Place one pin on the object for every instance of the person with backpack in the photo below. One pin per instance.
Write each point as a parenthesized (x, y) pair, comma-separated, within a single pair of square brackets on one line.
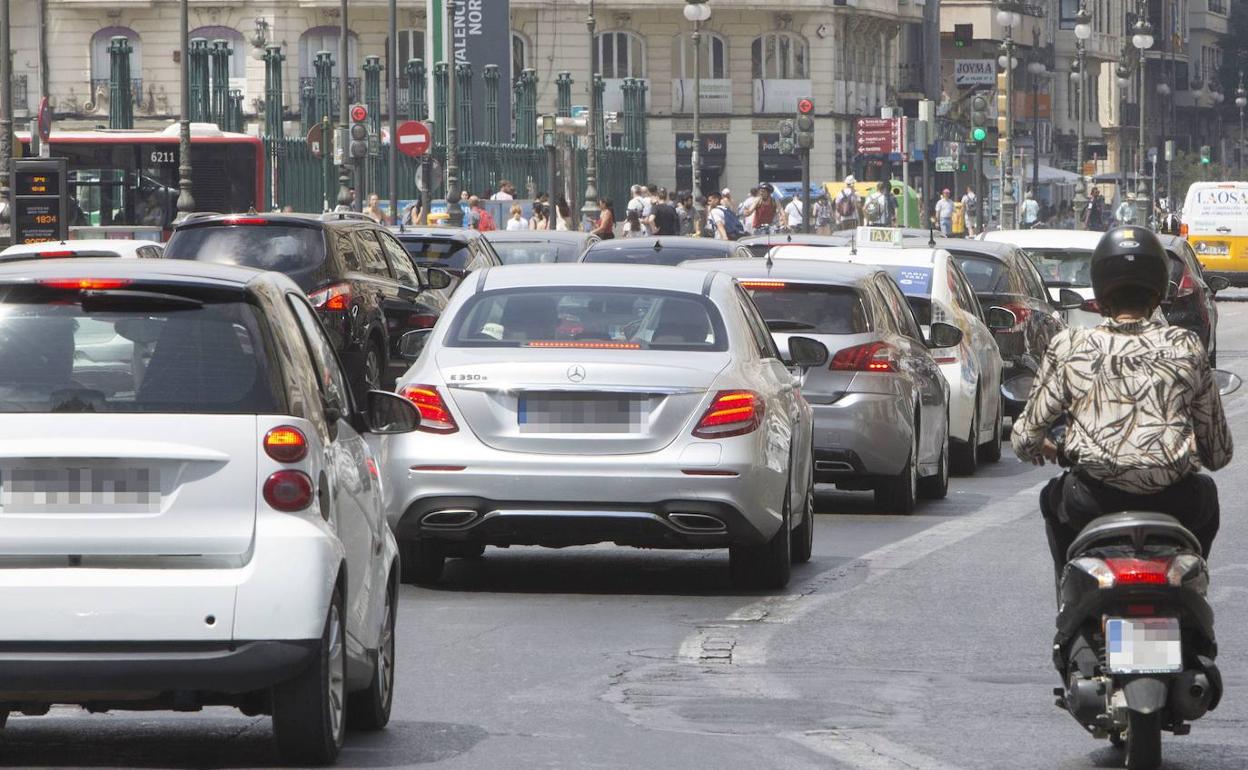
[(847, 205), (970, 210), (765, 210), (722, 222), (875, 210)]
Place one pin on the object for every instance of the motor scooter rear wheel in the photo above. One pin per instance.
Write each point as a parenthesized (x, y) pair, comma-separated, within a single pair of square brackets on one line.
[(1143, 741)]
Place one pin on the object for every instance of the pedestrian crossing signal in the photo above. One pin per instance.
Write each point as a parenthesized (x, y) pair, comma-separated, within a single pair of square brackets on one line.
[(1206, 154)]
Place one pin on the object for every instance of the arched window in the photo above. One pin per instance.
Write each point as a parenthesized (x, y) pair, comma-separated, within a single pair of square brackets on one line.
[(325, 39), (714, 57), (100, 64), (238, 47), (778, 56), (520, 59), (620, 55)]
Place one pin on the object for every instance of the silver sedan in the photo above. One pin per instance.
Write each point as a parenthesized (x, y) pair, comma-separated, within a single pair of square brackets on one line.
[(572, 404)]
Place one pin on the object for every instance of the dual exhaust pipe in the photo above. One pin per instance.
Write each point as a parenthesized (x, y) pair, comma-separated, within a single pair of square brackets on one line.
[(457, 518)]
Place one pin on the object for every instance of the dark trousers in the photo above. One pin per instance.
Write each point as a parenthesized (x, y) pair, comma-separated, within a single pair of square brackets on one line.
[(1071, 501)]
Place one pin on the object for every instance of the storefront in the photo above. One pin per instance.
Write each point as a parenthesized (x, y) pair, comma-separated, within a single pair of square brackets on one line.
[(714, 157), (774, 166)]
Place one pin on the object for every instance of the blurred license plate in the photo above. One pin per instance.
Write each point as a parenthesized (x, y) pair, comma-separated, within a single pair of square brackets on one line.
[(1143, 645), (79, 490), (576, 413)]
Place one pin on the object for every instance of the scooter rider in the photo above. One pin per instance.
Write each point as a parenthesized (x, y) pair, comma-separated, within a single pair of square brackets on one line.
[(1143, 411)]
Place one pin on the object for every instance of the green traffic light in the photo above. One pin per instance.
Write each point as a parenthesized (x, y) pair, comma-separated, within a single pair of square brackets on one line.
[(979, 134)]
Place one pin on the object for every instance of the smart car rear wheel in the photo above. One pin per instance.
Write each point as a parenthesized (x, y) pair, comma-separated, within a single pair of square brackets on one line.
[(369, 709), (422, 561), (765, 566), (309, 711)]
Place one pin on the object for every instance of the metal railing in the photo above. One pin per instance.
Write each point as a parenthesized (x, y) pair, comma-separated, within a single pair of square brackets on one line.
[(354, 91)]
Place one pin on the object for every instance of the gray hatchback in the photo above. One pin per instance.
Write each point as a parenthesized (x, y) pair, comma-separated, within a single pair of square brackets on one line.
[(881, 404)]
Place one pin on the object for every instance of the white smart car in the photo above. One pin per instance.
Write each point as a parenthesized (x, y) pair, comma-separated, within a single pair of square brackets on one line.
[(937, 290), (1064, 259), (203, 528)]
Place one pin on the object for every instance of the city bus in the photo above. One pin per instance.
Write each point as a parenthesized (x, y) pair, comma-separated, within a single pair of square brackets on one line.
[(127, 179)]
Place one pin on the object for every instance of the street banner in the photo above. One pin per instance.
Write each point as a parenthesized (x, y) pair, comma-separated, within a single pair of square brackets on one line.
[(479, 32)]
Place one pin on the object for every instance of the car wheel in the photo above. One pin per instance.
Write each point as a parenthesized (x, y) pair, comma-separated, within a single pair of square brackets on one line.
[(374, 366), (897, 494), (803, 538), (937, 487), (963, 454), (765, 566), (309, 711), (422, 562), (370, 709), (991, 451)]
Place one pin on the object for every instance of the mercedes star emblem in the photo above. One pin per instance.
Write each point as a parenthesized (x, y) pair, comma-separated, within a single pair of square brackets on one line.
[(576, 373)]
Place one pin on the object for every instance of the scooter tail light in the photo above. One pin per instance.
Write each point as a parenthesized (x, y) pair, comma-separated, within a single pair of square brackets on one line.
[(435, 416), (1131, 571), (1097, 568), (732, 413), (1188, 569)]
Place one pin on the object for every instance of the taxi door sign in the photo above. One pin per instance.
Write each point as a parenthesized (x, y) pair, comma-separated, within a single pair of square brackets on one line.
[(40, 200)]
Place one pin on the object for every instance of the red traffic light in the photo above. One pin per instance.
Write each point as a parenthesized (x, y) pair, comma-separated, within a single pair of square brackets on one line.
[(359, 113), (805, 106)]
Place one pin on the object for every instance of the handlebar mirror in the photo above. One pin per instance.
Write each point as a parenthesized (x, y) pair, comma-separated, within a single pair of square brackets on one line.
[(1227, 382)]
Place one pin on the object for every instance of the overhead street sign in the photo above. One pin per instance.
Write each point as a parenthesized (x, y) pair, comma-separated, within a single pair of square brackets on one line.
[(945, 164), (414, 139), (880, 136)]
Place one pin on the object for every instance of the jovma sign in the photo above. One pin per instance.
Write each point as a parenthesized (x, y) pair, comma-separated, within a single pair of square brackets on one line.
[(974, 72)]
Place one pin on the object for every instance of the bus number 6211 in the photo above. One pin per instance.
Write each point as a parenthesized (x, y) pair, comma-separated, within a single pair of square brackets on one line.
[(160, 157)]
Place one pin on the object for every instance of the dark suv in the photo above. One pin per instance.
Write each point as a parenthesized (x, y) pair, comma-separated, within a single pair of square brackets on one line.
[(362, 283), (457, 250)]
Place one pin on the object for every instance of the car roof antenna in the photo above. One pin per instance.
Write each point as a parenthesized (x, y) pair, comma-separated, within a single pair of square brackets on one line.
[(658, 245)]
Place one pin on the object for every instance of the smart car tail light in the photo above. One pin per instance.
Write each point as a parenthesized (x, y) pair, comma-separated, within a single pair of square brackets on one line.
[(869, 357), (732, 413), (286, 444), (435, 417), (336, 297), (85, 284), (288, 491)]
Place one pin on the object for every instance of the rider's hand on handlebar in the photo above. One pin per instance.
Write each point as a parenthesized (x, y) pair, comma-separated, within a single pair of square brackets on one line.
[(1048, 452)]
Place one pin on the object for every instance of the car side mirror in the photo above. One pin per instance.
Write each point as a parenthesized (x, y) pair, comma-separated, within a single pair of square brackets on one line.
[(1227, 382), (389, 413), (944, 335), (438, 278), (1218, 283), (412, 344), (806, 353), (1068, 300), (1001, 319)]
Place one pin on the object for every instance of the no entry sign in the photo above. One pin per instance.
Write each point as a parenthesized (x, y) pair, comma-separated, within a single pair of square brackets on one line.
[(413, 138)]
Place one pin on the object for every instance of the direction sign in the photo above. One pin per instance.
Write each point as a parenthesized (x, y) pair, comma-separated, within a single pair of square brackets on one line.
[(413, 137), (880, 136), (945, 164), (320, 143)]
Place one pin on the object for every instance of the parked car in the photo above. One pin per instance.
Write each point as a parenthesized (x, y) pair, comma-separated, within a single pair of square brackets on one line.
[(663, 250), (656, 397), (1002, 275), (229, 545), (360, 280), (881, 406), (457, 250), (527, 247), (938, 292), (92, 247)]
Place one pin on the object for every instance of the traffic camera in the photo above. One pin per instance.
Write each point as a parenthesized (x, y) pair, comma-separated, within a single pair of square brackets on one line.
[(805, 123), (359, 130)]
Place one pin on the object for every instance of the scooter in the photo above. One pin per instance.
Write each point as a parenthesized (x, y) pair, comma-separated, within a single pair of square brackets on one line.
[(1135, 642)]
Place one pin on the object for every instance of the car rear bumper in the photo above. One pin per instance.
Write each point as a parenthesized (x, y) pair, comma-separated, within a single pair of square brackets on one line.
[(861, 434), (39, 671)]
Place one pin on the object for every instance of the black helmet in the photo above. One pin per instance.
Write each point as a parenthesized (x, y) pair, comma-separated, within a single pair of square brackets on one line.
[(1129, 256)]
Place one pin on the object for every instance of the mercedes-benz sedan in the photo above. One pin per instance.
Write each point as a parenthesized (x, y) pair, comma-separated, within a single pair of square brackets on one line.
[(572, 404)]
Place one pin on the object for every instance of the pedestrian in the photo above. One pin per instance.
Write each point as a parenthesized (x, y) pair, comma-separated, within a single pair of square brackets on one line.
[(632, 227), (970, 210), (373, 209), (687, 214), (714, 227), (747, 207), (847, 205), (639, 202), (764, 211), (875, 210), (562, 214), (483, 220), (959, 220), (539, 221), (411, 213), (1125, 213), (516, 220), (942, 213), (1031, 210), (605, 228), (506, 191), (664, 218), (725, 199), (794, 215), (823, 214), (1094, 213)]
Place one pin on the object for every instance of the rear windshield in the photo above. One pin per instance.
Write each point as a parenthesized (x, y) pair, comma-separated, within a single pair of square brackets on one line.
[(808, 308), (1063, 267), (915, 281), (283, 248), (987, 276), (592, 318), (116, 355), (442, 252), (644, 253), (535, 252)]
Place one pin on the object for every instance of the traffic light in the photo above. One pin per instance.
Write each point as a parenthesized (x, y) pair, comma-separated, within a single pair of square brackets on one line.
[(1206, 154), (359, 131), (805, 123), (979, 118), (963, 35), (787, 130)]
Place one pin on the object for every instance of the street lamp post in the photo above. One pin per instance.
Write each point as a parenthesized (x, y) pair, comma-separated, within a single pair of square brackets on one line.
[(1008, 19), (454, 212), (1083, 31), (1163, 92), (1038, 71), (186, 201), (341, 142), (1142, 40), (697, 11), (589, 208), (1123, 71), (1241, 101)]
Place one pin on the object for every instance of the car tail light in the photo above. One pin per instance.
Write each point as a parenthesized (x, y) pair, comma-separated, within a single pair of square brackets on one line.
[(245, 221), (1128, 571), (1091, 306), (286, 444), (334, 297), (421, 320), (1187, 285), (763, 284), (434, 416), (732, 413), (1183, 229), (85, 284), (288, 491), (870, 357), (55, 254)]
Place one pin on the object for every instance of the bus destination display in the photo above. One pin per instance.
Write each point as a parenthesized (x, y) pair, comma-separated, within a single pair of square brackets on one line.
[(39, 200)]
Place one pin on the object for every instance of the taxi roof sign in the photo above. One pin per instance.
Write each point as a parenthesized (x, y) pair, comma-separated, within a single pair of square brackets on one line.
[(890, 237)]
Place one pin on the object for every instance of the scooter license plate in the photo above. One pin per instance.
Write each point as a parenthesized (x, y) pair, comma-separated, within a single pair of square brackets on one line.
[(1143, 645)]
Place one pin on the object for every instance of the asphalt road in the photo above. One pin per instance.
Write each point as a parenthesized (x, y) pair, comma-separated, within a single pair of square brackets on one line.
[(906, 642)]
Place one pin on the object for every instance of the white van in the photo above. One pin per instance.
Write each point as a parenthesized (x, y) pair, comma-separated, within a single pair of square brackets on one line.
[(1215, 223)]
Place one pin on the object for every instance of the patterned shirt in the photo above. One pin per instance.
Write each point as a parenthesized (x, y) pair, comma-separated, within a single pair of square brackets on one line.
[(1143, 409)]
